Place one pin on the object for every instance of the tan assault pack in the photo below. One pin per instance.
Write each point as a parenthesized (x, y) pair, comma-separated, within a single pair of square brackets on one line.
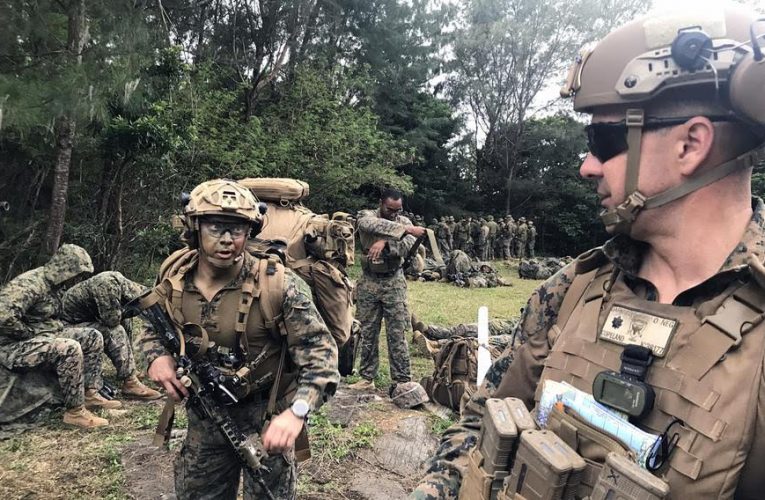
[(316, 247), (455, 372)]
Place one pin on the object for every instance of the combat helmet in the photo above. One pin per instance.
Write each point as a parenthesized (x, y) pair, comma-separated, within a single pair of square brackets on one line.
[(408, 395), (221, 197), (714, 52), (68, 262)]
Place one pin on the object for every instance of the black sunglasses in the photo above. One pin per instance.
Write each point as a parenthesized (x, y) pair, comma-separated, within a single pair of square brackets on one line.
[(605, 140)]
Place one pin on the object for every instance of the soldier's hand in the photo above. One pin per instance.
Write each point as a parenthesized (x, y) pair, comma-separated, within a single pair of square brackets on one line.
[(162, 371), (282, 431), (376, 249), (415, 231)]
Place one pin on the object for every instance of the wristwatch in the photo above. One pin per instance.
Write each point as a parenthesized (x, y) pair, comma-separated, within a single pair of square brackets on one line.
[(300, 408)]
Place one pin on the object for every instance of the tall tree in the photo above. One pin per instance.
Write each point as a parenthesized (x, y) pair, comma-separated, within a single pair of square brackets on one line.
[(506, 51), (77, 38)]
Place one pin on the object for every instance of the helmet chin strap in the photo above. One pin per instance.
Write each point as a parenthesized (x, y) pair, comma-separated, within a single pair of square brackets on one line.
[(621, 218)]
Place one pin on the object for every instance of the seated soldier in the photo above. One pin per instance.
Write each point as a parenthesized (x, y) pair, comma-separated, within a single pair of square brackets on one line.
[(97, 303), (33, 336)]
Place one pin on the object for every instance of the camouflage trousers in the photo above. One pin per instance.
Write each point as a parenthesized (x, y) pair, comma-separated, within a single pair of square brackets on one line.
[(496, 327), (530, 249), (208, 469), (380, 298), (520, 248), (507, 248), (73, 353), (117, 348)]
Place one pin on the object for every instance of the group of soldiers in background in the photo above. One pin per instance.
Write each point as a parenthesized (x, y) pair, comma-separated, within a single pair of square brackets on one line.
[(483, 238)]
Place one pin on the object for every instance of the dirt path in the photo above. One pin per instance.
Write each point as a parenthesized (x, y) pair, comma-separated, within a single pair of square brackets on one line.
[(364, 448)]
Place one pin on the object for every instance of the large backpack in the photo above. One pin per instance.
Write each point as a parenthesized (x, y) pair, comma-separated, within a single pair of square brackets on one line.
[(317, 248), (455, 372)]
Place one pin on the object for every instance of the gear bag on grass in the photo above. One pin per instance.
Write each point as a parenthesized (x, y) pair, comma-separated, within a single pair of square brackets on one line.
[(456, 371)]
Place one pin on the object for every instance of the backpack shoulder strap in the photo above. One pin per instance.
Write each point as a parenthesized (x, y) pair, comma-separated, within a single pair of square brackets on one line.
[(172, 271), (268, 287)]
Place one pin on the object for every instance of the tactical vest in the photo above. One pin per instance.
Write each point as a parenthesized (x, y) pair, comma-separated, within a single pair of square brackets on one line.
[(709, 377), (249, 317), (255, 328)]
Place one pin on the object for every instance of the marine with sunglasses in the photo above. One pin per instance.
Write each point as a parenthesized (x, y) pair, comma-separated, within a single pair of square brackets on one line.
[(263, 324), (672, 306)]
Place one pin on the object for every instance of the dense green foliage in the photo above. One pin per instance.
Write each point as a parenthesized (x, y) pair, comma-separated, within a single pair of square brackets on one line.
[(440, 99)]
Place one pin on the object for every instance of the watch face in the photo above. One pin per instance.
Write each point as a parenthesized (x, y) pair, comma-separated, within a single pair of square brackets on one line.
[(300, 408)]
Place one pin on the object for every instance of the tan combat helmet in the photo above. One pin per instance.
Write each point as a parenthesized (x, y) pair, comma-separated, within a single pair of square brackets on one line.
[(68, 262), (714, 50), (221, 197)]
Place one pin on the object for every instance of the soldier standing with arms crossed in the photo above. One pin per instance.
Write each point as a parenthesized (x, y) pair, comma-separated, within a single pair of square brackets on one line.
[(386, 238), (217, 275), (671, 153)]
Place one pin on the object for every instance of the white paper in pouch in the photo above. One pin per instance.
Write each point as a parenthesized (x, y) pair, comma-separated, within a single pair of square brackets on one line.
[(484, 356)]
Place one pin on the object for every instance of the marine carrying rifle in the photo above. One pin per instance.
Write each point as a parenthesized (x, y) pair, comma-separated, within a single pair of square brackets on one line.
[(207, 385)]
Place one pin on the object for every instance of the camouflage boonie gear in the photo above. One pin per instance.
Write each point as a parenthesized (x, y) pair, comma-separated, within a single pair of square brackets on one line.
[(408, 395)]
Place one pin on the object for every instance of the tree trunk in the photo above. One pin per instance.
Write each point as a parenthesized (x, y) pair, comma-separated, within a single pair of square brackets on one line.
[(77, 37), (65, 128)]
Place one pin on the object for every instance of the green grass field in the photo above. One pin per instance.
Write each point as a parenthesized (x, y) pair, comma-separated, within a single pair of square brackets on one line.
[(446, 304)]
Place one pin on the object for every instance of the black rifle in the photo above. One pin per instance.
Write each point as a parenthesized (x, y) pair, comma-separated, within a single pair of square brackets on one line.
[(413, 251), (209, 396)]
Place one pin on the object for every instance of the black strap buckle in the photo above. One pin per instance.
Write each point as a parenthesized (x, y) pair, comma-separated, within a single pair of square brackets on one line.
[(636, 360)]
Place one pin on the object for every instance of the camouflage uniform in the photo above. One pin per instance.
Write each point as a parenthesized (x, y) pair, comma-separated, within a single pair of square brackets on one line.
[(496, 327), (531, 241), (384, 296), (461, 235), (508, 242), (521, 237), (492, 239), (475, 236), (206, 466), (32, 336), (481, 242), (444, 237), (97, 303), (525, 359)]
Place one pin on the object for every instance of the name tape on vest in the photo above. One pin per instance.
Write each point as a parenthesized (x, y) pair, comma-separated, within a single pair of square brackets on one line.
[(625, 326)]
